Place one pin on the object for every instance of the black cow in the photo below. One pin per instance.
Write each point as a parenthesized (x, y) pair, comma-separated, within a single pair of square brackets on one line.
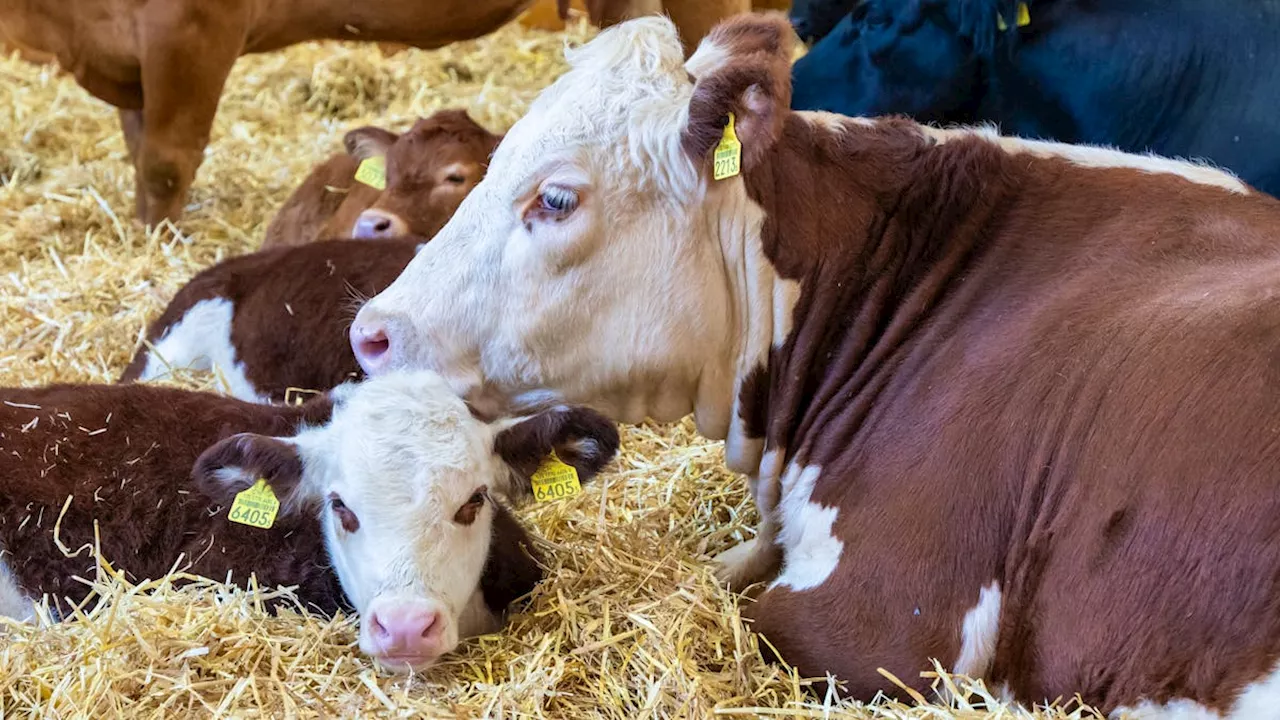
[(1179, 78)]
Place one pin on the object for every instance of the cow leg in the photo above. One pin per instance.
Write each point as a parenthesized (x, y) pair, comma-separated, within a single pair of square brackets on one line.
[(187, 53), (131, 127), (759, 559)]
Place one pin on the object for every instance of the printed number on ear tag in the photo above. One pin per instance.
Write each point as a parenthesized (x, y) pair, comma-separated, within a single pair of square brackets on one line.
[(728, 157), (555, 480), (256, 506), (373, 172)]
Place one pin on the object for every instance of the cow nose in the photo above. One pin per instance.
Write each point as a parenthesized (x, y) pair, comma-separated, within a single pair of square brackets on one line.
[(377, 225), (371, 344), (409, 633)]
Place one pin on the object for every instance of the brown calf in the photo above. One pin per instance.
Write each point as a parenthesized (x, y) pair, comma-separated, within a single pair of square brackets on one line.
[(1010, 405), (274, 319), (163, 62), (429, 170), (151, 472)]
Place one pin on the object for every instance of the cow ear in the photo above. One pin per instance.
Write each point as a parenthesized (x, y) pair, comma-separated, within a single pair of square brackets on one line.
[(579, 436), (368, 141), (742, 67), (236, 463)]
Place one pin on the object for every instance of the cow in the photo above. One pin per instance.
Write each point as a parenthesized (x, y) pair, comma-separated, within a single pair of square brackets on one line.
[(390, 499), (1005, 403), (428, 170), (272, 321), (815, 19), (163, 63), (1178, 79), (693, 18)]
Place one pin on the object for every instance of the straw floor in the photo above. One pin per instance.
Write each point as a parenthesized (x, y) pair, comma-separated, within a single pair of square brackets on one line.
[(630, 623)]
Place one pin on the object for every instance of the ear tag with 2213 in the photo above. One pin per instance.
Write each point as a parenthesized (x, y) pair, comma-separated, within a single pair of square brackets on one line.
[(256, 506), (555, 480), (728, 155), (373, 172)]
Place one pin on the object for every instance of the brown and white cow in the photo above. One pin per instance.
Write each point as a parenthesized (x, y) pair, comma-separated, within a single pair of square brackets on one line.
[(1012, 405), (389, 490), (272, 320), (163, 62), (429, 170)]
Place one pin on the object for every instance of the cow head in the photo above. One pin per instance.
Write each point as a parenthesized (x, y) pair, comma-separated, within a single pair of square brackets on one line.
[(813, 19), (921, 58), (430, 169), (406, 483), (599, 261)]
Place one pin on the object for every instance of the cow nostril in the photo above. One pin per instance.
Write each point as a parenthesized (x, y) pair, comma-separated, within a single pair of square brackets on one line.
[(377, 628), (430, 623)]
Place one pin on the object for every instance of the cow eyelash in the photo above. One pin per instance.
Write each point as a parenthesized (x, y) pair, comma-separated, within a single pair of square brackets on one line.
[(455, 178), (558, 200)]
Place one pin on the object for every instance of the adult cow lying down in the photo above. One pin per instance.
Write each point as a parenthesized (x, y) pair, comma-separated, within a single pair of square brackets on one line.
[(1179, 78), (428, 170), (391, 484), (1007, 404), (271, 320), (163, 62)]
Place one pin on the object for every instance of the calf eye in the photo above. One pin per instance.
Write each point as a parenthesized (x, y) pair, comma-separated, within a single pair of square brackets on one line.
[(348, 519), (471, 508), (455, 178)]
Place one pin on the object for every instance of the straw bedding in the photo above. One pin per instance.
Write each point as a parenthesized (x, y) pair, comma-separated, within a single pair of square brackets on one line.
[(630, 623)]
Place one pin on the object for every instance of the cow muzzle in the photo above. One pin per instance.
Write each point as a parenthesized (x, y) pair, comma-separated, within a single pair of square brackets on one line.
[(374, 224), (406, 634)]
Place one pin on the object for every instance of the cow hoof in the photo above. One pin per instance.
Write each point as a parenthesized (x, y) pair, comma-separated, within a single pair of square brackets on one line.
[(741, 566)]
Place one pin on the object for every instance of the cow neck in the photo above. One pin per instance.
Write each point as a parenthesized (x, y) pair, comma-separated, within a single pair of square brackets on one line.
[(868, 225), (760, 305)]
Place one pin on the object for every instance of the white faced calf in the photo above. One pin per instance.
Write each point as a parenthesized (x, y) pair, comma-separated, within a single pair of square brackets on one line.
[(393, 477)]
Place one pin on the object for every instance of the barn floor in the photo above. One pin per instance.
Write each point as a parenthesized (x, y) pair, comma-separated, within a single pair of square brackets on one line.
[(630, 623)]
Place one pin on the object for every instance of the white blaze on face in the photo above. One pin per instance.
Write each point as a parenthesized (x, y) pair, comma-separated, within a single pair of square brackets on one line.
[(591, 260)]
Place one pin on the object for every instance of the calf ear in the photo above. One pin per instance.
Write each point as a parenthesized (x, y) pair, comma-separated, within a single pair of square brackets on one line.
[(742, 67), (512, 569), (237, 462), (579, 436), (368, 141)]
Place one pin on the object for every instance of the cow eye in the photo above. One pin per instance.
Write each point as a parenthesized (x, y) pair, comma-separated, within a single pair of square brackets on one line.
[(560, 201), (346, 518), (455, 178), (471, 508)]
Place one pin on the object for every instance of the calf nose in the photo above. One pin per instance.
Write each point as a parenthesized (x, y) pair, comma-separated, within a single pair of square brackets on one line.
[(378, 225), (406, 633), (371, 344)]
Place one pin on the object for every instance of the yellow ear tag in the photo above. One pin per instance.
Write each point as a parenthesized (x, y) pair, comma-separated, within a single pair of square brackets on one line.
[(256, 506), (1024, 18), (728, 157), (373, 172), (555, 480)]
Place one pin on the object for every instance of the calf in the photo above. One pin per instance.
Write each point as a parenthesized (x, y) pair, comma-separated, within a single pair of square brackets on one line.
[(163, 62), (390, 484), (1009, 404), (1179, 78), (428, 169), (272, 320)]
